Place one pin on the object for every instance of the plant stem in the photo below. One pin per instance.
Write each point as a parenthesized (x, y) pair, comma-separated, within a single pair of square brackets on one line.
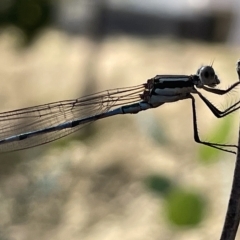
[(233, 212)]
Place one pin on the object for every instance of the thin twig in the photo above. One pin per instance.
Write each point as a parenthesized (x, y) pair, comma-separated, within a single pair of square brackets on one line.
[(233, 212)]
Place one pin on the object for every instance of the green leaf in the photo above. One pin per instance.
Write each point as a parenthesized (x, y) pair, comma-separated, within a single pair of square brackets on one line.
[(184, 208), (219, 134), (158, 184)]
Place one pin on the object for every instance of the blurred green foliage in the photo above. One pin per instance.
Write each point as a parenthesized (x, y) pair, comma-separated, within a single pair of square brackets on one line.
[(183, 208), (219, 134), (158, 184), (30, 16)]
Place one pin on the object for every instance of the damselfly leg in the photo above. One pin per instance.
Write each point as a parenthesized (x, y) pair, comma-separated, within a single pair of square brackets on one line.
[(196, 135), (218, 113)]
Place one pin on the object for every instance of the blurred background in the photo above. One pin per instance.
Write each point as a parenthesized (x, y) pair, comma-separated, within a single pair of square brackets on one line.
[(133, 177)]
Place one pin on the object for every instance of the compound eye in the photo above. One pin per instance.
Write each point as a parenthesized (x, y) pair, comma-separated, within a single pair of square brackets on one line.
[(207, 76), (208, 72)]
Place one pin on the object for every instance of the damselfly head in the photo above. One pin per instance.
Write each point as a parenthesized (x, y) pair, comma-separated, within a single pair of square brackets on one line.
[(207, 76)]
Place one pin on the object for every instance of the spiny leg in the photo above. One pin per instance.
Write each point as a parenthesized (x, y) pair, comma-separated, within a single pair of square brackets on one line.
[(221, 91), (216, 111), (196, 135)]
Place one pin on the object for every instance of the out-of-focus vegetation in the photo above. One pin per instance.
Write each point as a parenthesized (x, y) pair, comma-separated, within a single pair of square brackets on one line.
[(91, 186), (29, 16), (182, 208), (88, 187), (219, 134)]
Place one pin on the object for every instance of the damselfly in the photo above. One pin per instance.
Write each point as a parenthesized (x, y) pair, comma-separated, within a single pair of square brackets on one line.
[(33, 126)]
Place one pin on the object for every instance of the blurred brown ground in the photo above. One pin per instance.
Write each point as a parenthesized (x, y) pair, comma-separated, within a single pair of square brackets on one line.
[(94, 189)]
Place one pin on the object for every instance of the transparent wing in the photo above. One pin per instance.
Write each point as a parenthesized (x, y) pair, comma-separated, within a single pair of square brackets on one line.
[(40, 117)]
